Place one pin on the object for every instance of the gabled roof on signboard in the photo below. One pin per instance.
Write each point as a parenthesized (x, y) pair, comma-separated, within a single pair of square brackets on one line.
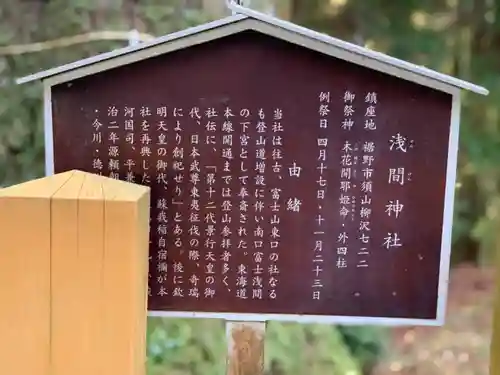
[(247, 19)]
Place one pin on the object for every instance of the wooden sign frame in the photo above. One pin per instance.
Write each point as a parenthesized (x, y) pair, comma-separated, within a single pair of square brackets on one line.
[(247, 19)]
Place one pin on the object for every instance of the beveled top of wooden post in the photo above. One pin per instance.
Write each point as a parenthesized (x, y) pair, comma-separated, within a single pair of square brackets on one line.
[(48, 187)]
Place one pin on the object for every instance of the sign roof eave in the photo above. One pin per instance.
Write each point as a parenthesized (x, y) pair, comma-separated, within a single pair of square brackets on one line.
[(243, 13)]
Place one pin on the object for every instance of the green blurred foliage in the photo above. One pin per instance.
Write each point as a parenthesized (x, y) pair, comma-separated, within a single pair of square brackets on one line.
[(457, 37), (198, 347)]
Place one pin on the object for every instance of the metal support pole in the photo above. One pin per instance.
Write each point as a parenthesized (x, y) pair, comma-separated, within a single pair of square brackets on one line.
[(237, 2), (265, 6)]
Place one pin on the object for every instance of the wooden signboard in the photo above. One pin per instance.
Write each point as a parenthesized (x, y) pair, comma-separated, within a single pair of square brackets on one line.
[(286, 184)]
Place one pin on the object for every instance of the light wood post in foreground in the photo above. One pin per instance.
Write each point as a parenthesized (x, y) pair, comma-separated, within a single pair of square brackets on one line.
[(245, 342), (73, 276)]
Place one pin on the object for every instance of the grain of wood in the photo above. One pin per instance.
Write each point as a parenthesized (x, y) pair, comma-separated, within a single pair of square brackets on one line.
[(65, 296), (245, 348), (126, 247), (25, 276), (74, 254), (90, 274)]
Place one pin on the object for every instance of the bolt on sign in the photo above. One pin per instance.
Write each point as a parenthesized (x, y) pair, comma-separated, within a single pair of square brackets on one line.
[(294, 176)]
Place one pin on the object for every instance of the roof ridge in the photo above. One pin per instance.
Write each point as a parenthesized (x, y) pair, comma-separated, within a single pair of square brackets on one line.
[(242, 13)]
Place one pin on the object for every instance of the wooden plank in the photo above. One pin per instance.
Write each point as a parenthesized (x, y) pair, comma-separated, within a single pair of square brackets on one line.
[(245, 348), (25, 291), (25, 214), (65, 314), (76, 270), (142, 284), (126, 243), (90, 276)]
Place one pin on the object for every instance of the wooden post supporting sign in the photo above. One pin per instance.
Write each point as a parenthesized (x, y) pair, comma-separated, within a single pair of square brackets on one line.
[(495, 338), (245, 354)]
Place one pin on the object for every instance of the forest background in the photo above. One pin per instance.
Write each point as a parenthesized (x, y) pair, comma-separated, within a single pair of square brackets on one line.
[(456, 37)]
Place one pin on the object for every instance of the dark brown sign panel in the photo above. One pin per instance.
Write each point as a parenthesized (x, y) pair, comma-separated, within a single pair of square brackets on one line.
[(283, 181)]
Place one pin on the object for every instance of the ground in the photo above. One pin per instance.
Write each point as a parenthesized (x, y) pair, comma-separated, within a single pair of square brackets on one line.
[(461, 347)]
